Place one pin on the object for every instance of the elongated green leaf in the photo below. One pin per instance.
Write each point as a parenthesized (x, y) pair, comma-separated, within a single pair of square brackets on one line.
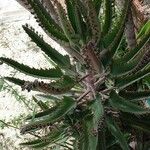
[(97, 110), (109, 37), (126, 106), (55, 88), (68, 71), (141, 123), (66, 106), (40, 145), (57, 136), (95, 26), (91, 124), (122, 22), (140, 62), (38, 5), (50, 28), (58, 87), (124, 81), (47, 15), (58, 58), (34, 142), (75, 17), (51, 137), (61, 86), (44, 113), (64, 82), (43, 73), (90, 140), (140, 95), (108, 16), (144, 30), (1, 84), (110, 51), (93, 142), (132, 53), (80, 24), (119, 68), (47, 12), (111, 141), (15, 80), (101, 140), (85, 23), (114, 129), (47, 23), (97, 5), (41, 104), (71, 13), (66, 25)]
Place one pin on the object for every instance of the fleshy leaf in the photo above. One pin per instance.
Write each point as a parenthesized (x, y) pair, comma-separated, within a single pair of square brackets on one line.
[(67, 105), (124, 105), (124, 81), (144, 30), (15, 80), (58, 58), (108, 53), (95, 26), (47, 22), (132, 53), (1, 84), (53, 136), (43, 113), (138, 122), (108, 16), (41, 104), (115, 130), (58, 87), (97, 110), (134, 96), (91, 124), (43, 73), (97, 5)]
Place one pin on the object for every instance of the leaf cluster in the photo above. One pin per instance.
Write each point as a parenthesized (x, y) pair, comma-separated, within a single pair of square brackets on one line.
[(93, 97)]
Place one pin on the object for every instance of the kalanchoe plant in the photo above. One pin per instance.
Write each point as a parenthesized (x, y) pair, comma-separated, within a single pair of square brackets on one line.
[(95, 102)]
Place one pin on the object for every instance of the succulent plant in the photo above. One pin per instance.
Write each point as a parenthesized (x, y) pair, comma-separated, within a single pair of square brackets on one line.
[(95, 104)]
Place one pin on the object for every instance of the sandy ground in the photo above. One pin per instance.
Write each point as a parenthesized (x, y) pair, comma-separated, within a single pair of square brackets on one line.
[(15, 44)]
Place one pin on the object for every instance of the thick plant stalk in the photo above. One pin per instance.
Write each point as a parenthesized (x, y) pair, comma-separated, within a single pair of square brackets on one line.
[(91, 58)]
